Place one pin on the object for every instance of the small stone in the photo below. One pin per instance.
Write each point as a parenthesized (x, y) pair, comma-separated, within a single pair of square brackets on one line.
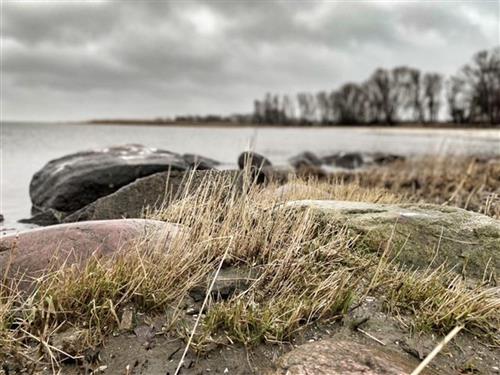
[(191, 311), (71, 341), (127, 322)]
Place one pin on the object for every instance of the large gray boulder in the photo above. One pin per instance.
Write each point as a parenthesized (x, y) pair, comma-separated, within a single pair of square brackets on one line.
[(73, 181), (419, 235), (31, 253), (150, 192)]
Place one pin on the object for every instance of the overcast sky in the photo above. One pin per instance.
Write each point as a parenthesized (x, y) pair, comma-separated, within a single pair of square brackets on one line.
[(77, 60)]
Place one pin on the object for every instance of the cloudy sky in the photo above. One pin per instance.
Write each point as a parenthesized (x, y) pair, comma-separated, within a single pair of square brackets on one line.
[(77, 60)]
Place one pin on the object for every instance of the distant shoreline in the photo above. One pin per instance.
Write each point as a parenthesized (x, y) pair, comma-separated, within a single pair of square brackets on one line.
[(222, 124)]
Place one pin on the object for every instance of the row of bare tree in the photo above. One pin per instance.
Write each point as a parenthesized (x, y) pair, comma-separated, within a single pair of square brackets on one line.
[(402, 94)]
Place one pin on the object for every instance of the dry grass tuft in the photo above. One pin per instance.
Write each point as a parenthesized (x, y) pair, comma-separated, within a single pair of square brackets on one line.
[(437, 300)]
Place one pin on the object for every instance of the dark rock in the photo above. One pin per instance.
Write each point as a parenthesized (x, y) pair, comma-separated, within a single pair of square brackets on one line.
[(330, 159), (349, 160), (305, 159), (45, 218), (39, 250), (73, 181), (1, 218), (345, 357), (257, 164), (200, 162), (149, 192), (254, 159), (381, 158)]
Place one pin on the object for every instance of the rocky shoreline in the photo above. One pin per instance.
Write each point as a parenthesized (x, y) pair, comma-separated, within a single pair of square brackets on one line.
[(67, 188), (95, 208)]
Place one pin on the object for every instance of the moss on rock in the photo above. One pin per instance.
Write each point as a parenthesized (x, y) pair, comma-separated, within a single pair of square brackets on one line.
[(418, 235)]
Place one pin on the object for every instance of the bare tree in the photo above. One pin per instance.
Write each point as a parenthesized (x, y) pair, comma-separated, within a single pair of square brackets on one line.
[(276, 114), (383, 96), (400, 94), (457, 105), (288, 110), (432, 87), (325, 108), (351, 104), (307, 108), (258, 112), (405, 94), (479, 83)]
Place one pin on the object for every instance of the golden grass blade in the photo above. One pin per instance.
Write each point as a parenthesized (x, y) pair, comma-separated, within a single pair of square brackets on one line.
[(205, 301), (436, 350)]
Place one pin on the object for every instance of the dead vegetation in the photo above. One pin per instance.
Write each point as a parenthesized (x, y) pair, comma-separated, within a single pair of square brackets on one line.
[(299, 271), (472, 183)]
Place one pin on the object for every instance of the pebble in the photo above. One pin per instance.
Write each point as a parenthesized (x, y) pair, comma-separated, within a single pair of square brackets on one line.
[(191, 311)]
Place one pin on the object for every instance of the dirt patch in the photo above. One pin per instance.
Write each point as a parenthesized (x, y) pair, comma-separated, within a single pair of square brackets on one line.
[(128, 353)]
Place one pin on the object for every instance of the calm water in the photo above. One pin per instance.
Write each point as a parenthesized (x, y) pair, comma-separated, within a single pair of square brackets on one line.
[(26, 147)]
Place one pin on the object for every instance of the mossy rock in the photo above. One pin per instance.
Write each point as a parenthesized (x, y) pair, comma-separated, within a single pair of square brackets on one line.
[(420, 235)]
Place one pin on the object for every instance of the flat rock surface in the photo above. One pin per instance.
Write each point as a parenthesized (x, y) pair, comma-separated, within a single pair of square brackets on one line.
[(335, 357), (423, 234), (73, 181), (38, 250)]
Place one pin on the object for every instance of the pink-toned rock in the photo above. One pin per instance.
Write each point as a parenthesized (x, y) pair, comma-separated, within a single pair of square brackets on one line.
[(32, 252), (341, 357)]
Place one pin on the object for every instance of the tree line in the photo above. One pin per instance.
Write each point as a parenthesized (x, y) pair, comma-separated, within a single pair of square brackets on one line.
[(399, 95)]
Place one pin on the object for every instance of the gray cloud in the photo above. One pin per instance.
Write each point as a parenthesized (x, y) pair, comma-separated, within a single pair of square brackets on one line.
[(79, 60)]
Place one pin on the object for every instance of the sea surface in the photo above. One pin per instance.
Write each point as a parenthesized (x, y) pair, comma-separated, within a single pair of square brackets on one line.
[(26, 147)]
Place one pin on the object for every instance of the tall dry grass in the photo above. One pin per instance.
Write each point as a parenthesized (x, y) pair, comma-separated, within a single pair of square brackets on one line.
[(471, 183)]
